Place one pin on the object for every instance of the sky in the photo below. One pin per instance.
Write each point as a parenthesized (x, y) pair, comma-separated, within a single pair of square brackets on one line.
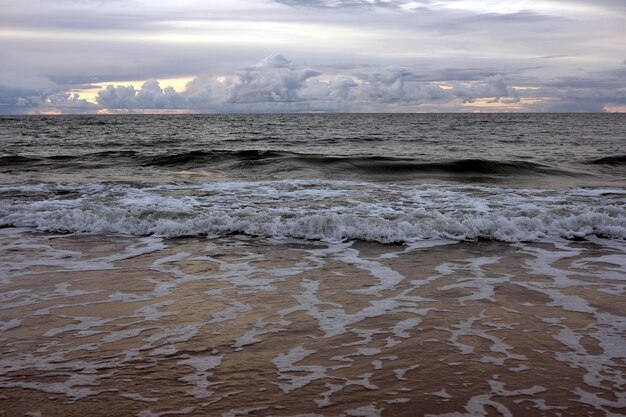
[(257, 56)]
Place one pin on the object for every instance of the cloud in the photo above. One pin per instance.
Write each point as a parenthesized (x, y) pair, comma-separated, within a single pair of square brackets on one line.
[(342, 87), (335, 4), (359, 47), (612, 5), (387, 87), (199, 92), (273, 79), (276, 84), (494, 87), (56, 102), (403, 86), (21, 93), (149, 96), (14, 87), (272, 84)]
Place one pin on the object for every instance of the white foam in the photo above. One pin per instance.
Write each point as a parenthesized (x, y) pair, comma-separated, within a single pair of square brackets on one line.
[(250, 337), (387, 277), (401, 372), (138, 397), (81, 328), (367, 411), (442, 394), (202, 365), (466, 328), (285, 363), (182, 411), (485, 285), (398, 401), (123, 334), (326, 210), (243, 411), (10, 324), (230, 313)]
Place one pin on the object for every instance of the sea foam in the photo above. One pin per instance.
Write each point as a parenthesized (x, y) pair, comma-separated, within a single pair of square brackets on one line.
[(319, 210)]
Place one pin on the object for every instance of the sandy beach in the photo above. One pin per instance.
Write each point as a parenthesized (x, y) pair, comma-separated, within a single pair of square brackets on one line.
[(235, 326)]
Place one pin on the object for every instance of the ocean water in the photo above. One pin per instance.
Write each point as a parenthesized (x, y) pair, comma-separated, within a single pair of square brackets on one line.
[(313, 265), (386, 178)]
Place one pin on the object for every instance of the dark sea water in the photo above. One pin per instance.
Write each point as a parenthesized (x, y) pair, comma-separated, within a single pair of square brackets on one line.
[(386, 178)]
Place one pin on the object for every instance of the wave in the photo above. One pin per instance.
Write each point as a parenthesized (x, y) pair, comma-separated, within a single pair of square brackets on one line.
[(610, 160), (362, 164), (212, 156), (330, 210), (10, 160), (111, 156), (272, 161)]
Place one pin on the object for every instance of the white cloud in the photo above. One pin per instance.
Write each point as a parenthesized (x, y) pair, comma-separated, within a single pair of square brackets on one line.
[(273, 79), (149, 96), (67, 101), (199, 92), (342, 87)]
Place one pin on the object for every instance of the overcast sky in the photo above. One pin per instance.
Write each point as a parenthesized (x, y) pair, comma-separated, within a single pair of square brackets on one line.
[(88, 56)]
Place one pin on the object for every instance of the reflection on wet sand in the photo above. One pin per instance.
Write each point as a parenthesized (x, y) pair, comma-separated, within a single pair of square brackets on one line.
[(103, 325)]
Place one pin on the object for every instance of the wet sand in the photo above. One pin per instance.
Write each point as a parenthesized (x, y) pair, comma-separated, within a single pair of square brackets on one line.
[(127, 326)]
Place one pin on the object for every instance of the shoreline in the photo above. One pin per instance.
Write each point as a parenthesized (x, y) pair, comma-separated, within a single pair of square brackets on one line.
[(103, 325)]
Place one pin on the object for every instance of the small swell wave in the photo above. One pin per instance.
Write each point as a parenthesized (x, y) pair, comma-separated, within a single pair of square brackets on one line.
[(207, 157), (610, 160), (273, 161), (11, 160), (461, 166), (50, 161), (373, 165)]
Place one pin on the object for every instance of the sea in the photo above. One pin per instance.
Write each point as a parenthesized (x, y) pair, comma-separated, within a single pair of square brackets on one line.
[(313, 265)]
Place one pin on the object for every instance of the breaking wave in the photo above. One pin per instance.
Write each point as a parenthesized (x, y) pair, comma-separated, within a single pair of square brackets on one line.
[(320, 210)]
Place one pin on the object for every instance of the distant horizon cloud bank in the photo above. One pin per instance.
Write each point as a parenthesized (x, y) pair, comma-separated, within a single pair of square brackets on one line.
[(259, 56), (276, 84)]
